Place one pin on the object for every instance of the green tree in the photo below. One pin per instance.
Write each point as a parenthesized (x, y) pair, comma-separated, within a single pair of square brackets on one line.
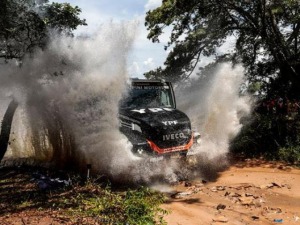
[(24, 26), (266, 31)]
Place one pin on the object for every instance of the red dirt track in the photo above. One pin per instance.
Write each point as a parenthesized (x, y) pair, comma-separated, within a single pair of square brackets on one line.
[(251, 192)]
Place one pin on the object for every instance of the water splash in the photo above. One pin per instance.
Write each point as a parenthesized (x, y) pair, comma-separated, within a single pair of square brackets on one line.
[(69, 96), (215, 106), (68, 111)]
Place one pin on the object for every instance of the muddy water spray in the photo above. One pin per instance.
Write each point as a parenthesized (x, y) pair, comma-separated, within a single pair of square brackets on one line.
[(215, 107), (68, 98)]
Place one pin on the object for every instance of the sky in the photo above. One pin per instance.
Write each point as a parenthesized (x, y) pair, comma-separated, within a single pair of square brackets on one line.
[(145, 55)]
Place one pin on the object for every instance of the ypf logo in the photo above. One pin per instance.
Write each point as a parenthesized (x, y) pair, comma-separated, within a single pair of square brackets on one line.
[(170, 123)]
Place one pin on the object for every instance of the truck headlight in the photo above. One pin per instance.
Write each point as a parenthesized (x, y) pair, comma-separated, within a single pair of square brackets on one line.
[(136, 127)]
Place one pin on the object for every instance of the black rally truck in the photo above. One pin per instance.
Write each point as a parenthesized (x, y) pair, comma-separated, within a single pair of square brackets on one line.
[(151, 122)]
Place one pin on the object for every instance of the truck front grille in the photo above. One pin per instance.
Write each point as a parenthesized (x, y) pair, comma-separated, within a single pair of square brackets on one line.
[(171, 137)]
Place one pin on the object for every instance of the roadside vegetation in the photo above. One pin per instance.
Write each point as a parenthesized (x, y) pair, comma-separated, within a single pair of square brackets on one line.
[(269, 136), (88, 202)]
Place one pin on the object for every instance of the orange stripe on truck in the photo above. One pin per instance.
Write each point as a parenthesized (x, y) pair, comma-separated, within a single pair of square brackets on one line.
[(171, 149)]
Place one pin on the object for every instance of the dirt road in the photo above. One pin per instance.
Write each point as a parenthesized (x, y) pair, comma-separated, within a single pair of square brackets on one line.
[(248, 192), (252, 192)]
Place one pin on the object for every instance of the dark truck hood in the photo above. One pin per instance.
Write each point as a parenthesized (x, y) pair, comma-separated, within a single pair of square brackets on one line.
[(155, 117), (167, 128)]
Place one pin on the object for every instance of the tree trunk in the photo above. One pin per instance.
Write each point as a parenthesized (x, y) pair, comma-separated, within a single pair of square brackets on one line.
[(292, 74), (6, 127)]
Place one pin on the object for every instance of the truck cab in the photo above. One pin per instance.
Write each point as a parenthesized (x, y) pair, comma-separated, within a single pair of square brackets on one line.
[(149, 119)]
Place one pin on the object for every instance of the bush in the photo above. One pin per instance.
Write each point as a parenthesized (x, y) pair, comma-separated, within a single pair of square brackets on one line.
[(271, 136), (256, 138), (290, 154)]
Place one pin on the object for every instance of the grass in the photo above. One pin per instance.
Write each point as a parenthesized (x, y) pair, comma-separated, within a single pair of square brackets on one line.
[(140, 206), (80, 203)]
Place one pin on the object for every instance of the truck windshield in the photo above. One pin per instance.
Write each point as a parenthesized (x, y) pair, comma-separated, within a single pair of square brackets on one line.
[(148, 97)]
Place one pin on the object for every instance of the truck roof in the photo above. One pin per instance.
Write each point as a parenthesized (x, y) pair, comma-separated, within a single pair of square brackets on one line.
[(137, 80)]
